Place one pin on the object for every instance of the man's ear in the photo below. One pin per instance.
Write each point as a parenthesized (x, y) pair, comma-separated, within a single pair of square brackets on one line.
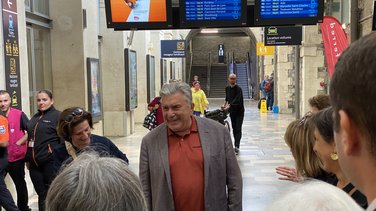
[(350, 134), (192, 106)]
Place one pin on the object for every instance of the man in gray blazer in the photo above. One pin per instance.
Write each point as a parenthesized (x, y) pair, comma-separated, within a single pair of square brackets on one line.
[(188, 163)]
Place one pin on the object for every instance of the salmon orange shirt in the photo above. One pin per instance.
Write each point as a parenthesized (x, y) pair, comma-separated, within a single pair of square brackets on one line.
[(4, 131)]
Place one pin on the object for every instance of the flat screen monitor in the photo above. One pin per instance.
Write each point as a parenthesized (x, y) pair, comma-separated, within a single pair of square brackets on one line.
[(288, 12), (374, 16), (138, 14), (213, 13)]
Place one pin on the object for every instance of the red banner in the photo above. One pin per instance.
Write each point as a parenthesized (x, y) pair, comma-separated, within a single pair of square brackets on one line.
[(335, 41)]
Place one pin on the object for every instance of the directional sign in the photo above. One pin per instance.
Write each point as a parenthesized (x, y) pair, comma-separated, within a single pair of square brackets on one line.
[(263, 50), (283, 35), (11, 51), (173, 48)]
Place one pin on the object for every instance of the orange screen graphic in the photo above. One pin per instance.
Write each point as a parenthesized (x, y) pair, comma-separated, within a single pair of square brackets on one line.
[(120, 11)]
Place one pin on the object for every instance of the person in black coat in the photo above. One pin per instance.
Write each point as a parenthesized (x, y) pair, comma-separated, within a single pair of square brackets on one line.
[(43, 139), (75, 125), (235, 104)]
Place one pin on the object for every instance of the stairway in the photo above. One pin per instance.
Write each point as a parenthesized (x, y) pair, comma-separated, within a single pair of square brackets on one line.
[(218, 81), (242, 79), (201, 72)]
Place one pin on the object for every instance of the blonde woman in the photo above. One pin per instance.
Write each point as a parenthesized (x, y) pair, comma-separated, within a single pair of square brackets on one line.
[(299, 137), (199, 99)]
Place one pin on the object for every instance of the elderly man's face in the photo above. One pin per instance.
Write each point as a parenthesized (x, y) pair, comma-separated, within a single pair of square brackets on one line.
[(176, 112)]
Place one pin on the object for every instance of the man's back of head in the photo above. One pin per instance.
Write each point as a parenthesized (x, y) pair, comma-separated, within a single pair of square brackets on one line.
[(353, 97)]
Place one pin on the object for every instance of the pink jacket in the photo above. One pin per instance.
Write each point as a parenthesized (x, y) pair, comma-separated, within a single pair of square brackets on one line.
[(15, 133)]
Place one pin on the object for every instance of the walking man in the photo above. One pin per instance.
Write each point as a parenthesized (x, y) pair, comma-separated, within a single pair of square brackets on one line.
[(17, 148), (188, 163), (235, 103)]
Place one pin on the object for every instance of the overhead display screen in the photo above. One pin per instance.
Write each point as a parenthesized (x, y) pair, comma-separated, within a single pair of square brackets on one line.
[(212, 10), (288, 8), (287, 12), (212, 13), (138, 14)]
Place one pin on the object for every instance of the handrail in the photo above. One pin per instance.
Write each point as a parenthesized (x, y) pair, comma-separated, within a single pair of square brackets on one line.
[(249, 76), (190, 68), (235, 71), (228, 63), (208, 75)]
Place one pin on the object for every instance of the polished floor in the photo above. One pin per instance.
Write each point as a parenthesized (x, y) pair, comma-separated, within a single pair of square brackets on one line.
[(262, 148)]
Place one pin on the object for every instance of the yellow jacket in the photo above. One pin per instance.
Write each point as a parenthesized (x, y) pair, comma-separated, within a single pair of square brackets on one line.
[(199, 100)]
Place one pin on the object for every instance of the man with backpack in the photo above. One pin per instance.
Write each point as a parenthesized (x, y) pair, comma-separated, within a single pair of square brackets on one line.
[(262, 86), (269, 89)]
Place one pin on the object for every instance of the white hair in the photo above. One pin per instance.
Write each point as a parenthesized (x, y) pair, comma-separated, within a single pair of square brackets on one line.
[(95, 183), (172, 88), (314, 195)]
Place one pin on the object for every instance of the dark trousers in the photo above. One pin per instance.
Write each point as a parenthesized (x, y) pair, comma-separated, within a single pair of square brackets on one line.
[(16, 171), (270, 100), (236, 123), (41, 176), (6, 199)]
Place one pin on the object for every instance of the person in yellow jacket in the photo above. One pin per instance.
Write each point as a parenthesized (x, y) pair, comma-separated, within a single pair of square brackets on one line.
[(199, 99)]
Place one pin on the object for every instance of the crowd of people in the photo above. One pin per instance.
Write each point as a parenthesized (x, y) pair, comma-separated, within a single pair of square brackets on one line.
[(189, 162), (336, 140), (46, 143)]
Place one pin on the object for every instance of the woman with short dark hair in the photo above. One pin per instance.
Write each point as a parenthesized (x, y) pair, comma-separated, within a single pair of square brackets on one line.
[(75, 125)]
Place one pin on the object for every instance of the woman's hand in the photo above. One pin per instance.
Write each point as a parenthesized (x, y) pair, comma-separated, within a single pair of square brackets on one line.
[(289, 174)]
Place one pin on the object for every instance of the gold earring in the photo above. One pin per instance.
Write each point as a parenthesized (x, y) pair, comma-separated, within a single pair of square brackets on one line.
[(334, 156)]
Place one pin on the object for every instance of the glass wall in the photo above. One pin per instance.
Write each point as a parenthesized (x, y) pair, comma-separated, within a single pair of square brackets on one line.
[(339, 9), (38, 48), (40, 7), (39, 54)]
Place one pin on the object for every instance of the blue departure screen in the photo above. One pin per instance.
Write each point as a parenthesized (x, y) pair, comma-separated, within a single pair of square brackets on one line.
[(288, 8), (203, 10)]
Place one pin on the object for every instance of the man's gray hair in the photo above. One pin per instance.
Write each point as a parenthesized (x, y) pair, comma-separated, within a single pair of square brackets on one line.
[(169, 89), (96, 183)]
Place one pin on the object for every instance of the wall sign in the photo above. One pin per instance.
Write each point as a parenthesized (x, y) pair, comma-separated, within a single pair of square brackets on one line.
[(11, 52), (172, 48), (281, 35)]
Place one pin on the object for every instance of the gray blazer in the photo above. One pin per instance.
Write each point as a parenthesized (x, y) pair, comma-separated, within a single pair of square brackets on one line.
[(223, 179)]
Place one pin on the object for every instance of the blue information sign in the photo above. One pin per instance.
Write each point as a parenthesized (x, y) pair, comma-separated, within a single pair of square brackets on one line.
[(203, 10), (172, 48), (288, 8)]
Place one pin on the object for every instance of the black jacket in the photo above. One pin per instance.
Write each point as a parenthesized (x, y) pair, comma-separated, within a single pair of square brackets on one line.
[(41, 130), (99, 144), (234, 96)]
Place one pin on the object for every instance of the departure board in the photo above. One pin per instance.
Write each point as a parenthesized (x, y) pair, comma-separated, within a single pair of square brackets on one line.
[(288, 8), (213, 10)]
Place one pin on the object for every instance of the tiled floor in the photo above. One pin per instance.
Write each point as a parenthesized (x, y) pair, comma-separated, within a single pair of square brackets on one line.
[(262, 149)]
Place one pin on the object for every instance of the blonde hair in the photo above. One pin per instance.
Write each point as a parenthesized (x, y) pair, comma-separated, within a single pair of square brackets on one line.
[(298, 137)]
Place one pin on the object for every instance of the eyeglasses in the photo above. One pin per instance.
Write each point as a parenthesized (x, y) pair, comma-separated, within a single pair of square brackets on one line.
[(75, 113), (304, 119)]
